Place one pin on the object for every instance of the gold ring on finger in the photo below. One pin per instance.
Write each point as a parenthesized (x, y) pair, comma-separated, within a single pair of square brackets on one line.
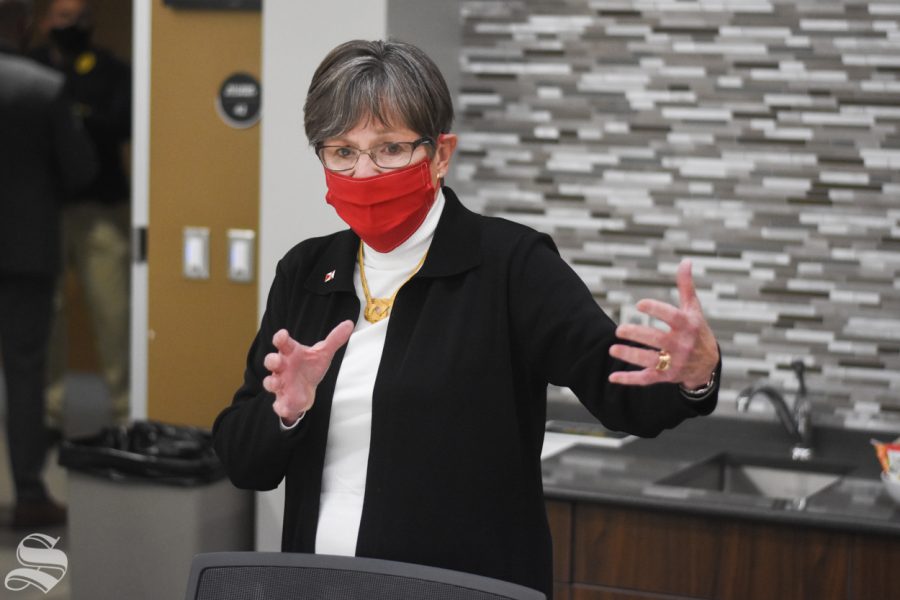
[(664, 361)]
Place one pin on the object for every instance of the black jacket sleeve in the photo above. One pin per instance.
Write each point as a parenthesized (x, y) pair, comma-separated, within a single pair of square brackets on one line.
[(247, 435), (567, 337)]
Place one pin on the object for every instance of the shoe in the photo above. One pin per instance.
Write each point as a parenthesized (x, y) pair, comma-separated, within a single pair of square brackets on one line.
[(41, 513)]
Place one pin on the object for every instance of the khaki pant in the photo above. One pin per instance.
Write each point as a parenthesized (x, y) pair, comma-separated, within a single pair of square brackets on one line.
[(96, 245)]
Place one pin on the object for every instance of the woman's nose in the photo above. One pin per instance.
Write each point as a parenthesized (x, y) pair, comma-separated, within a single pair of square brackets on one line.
[(365, 167)]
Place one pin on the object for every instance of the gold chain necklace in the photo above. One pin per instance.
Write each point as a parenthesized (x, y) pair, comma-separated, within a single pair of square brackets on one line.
[(380, 308)]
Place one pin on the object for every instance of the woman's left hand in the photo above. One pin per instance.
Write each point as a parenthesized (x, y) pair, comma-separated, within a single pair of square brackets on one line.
[(690, 342)]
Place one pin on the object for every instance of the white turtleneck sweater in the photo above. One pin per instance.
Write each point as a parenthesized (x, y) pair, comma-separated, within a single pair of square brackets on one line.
[(350, 426)]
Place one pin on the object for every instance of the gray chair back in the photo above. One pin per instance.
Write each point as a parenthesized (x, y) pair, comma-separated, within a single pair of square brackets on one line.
[(293, 576)]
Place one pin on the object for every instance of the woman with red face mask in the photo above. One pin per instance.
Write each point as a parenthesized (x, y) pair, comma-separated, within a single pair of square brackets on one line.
[(398, 379)]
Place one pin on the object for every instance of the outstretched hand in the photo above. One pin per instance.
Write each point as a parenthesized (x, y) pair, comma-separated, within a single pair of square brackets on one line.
[(690, 341), (298, 369)]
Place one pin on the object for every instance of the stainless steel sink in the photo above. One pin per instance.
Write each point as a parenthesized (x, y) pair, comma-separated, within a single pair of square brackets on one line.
[(770, 478)]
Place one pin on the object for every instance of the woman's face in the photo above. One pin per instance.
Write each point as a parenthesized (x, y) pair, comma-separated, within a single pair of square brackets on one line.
[(369, 133)]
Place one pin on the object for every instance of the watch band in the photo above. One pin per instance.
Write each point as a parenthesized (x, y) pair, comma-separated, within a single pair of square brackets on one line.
[(702, 391)]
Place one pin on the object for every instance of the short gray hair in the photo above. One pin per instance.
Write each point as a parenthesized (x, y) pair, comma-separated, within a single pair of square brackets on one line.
[(393, 82)]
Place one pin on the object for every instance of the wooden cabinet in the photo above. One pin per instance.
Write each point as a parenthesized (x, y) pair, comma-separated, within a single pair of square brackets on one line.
[(874, 571), (559, 515), (614, 553), (780, 561), (644, 551), (591, 593)]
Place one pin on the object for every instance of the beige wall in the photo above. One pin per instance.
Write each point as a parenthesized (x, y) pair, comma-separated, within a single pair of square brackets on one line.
[(202, 173)]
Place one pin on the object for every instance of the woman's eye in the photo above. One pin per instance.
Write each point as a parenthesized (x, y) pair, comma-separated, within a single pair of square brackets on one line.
[(392, 149), (343, 152)]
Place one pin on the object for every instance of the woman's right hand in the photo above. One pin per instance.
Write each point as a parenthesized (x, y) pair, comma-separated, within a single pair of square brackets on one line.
[(297, 370)]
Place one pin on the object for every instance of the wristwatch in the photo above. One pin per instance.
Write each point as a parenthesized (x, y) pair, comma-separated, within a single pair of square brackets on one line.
[(700, 392)]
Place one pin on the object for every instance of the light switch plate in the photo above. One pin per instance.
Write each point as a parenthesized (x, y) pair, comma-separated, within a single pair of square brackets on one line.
[(241, 254), (196, 252)]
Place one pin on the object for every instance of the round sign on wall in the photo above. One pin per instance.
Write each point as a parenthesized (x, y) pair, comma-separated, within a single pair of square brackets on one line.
[(239, 100)]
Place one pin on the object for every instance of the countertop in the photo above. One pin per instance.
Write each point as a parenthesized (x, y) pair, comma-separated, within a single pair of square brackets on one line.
[(583, 467)]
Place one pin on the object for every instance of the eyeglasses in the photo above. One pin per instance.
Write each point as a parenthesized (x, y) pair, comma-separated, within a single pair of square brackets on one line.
[(389, 155)]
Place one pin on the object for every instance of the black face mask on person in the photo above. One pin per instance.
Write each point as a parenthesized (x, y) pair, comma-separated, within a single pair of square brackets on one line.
[(71, 40)]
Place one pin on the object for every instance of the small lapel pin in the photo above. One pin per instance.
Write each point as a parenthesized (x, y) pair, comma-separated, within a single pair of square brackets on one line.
[(329, 276)]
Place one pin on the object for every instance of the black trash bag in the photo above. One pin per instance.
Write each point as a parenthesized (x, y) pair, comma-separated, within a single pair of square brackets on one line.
[(146, 451)]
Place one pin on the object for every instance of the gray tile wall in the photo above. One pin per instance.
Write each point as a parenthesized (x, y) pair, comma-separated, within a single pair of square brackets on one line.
[(757, 137)]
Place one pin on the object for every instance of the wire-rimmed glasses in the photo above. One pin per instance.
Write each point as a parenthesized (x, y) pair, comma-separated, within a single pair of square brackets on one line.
[(388, 155)]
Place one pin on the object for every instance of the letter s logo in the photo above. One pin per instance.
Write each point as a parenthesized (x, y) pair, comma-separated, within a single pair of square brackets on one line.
[(43, 566)]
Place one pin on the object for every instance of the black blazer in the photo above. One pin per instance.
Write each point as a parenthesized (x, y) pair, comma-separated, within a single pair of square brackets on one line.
[(44, 154), (459, 404)]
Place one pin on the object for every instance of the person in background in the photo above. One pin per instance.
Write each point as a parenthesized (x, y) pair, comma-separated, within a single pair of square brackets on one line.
[(96, 221), (44, 154), (398, 381)]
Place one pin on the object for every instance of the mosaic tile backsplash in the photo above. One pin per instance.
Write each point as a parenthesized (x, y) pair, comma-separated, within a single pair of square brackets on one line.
[(757, 137)]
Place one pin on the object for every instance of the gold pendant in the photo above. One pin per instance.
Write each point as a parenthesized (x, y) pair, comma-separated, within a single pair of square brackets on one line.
[(377, 309)]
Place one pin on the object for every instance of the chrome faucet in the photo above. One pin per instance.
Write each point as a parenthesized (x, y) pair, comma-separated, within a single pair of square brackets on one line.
[(797, 422)]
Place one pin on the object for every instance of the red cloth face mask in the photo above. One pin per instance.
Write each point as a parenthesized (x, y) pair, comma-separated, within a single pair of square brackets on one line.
[(386, 209)]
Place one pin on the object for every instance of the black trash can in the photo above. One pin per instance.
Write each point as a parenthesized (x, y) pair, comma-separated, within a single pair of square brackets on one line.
[(143, 500)]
